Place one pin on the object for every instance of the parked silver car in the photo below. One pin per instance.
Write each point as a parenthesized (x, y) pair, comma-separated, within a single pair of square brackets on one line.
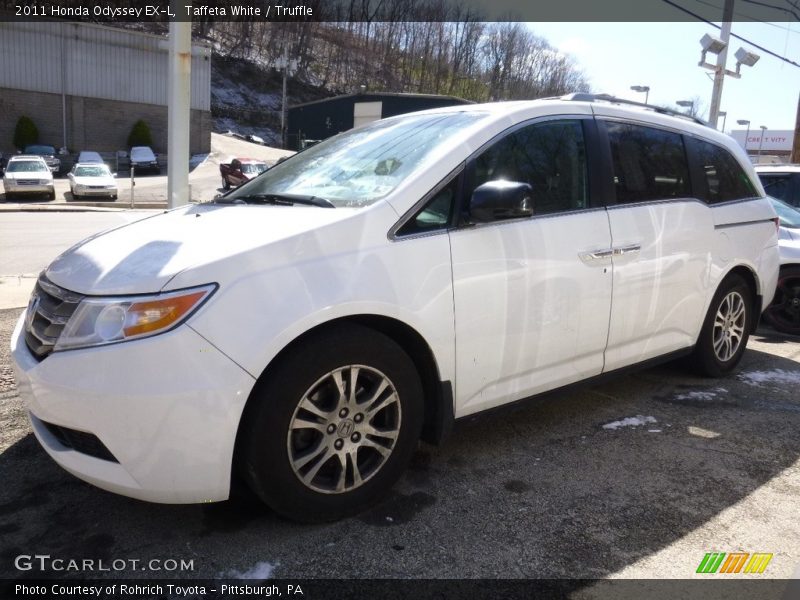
[(784, 312)]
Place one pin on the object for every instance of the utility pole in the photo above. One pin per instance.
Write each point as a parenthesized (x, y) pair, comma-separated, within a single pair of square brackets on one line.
[(178, 111), (283, 105), (796, 144), (722, 57), (289, 67)]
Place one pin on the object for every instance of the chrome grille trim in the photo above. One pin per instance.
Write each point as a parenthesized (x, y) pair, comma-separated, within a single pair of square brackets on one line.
[(59, 292), (53, 308)]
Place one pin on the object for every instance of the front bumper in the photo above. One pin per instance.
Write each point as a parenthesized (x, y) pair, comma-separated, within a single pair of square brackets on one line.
[(166, 407), (100, 192), (145, 166), (38, 188)]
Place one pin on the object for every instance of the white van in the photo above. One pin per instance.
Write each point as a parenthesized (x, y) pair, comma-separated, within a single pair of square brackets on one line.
[(305, 330)]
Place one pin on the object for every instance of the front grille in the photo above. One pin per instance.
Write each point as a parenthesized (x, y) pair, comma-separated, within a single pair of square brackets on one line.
[(27, 182), (80, 441), (48, 312)]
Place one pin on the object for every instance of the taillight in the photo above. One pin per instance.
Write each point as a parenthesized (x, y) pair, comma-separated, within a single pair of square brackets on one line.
[(777, 222)]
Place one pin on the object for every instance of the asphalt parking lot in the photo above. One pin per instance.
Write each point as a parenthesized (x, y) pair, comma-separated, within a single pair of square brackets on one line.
[(568, 486)]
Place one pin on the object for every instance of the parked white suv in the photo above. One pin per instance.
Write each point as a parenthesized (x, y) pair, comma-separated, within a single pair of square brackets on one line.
[(306, 329), (28, 174)]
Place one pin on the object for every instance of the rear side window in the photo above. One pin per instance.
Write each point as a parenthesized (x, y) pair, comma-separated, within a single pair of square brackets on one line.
[(721, 177), (649, 163), (549, 156)]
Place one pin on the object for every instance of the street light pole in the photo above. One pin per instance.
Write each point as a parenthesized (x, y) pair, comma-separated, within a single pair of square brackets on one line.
[(642, 88), (747, 133), (724, 116), (722, 57), (686, 104), (761, 141)]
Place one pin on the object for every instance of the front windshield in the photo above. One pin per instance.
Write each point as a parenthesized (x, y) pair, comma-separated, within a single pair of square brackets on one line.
[(789, 216), (360, 166), (25, 166), (99, 171), (40, 150)]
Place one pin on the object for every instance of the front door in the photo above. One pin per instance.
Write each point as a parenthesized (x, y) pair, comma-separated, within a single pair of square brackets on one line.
[(533, 295)]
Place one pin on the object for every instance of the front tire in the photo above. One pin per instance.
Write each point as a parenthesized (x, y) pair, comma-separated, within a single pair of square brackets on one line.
[(333, 425), (784, 312), (726, 329)]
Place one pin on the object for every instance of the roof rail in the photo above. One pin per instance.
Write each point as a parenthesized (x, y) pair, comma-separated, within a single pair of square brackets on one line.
[(585, 97)]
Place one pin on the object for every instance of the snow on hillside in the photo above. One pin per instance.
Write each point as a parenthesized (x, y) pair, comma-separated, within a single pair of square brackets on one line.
[(239, 108)]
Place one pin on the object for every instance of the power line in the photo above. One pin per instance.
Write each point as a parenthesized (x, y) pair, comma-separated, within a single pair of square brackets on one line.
[(773, 7), (738, 37), (749, 17)]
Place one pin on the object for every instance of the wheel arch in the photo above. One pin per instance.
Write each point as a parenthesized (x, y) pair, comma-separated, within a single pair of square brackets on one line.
[(753, 283), (438, 395)]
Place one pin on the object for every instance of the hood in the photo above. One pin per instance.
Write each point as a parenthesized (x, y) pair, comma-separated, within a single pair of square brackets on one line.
[(143, 256), (45, 174), (94, 180)]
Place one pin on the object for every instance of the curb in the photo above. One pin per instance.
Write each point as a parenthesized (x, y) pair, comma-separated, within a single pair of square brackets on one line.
[(77, 208)]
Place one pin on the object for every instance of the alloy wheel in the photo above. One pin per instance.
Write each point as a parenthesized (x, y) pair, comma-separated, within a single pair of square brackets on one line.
[(344, 429)]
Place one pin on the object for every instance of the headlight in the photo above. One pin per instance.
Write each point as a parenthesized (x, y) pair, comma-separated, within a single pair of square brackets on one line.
[(79, 187), (45, 181), (100, 321)]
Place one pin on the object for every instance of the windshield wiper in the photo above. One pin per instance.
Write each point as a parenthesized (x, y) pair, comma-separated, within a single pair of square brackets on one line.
[(279, 199)]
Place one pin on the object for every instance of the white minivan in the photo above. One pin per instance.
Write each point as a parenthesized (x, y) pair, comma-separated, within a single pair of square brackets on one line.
[(305, 330)]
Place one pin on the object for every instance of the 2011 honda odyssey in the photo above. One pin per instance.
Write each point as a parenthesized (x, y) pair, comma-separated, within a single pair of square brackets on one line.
[(307, 329)]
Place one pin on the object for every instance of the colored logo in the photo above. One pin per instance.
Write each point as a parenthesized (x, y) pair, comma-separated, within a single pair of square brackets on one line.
[(734, 562)]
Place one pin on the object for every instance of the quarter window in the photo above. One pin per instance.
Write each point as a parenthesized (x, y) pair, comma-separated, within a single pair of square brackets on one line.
[(649, 163), (721, 176), (549, 156), (435, 215)]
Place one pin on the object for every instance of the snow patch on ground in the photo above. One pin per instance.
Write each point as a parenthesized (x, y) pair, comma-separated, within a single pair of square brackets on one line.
[(630, 422), (774, 376), (225, 125), (260, 571), (702, 395)]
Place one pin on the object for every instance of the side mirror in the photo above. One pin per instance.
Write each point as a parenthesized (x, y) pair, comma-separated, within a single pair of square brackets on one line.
[(113, 174), (498, 200)]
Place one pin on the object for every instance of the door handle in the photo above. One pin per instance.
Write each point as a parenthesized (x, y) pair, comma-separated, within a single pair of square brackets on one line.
[(627, 250), (594, 255)]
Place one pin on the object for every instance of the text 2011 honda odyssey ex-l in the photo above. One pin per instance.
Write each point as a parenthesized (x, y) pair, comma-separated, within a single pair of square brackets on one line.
[(305, 330)]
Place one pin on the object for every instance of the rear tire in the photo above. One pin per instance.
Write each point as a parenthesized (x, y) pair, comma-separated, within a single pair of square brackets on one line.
[(784, 312), (726, 329), (333, 425)]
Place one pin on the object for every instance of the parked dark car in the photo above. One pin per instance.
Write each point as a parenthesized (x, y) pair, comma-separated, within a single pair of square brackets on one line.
[(48, 153), (144, 159)]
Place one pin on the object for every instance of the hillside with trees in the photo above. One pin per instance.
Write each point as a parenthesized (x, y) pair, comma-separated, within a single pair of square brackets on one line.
[(453, 53)]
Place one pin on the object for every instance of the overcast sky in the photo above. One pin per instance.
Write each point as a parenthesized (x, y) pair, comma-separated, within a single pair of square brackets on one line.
[(664, 56)]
